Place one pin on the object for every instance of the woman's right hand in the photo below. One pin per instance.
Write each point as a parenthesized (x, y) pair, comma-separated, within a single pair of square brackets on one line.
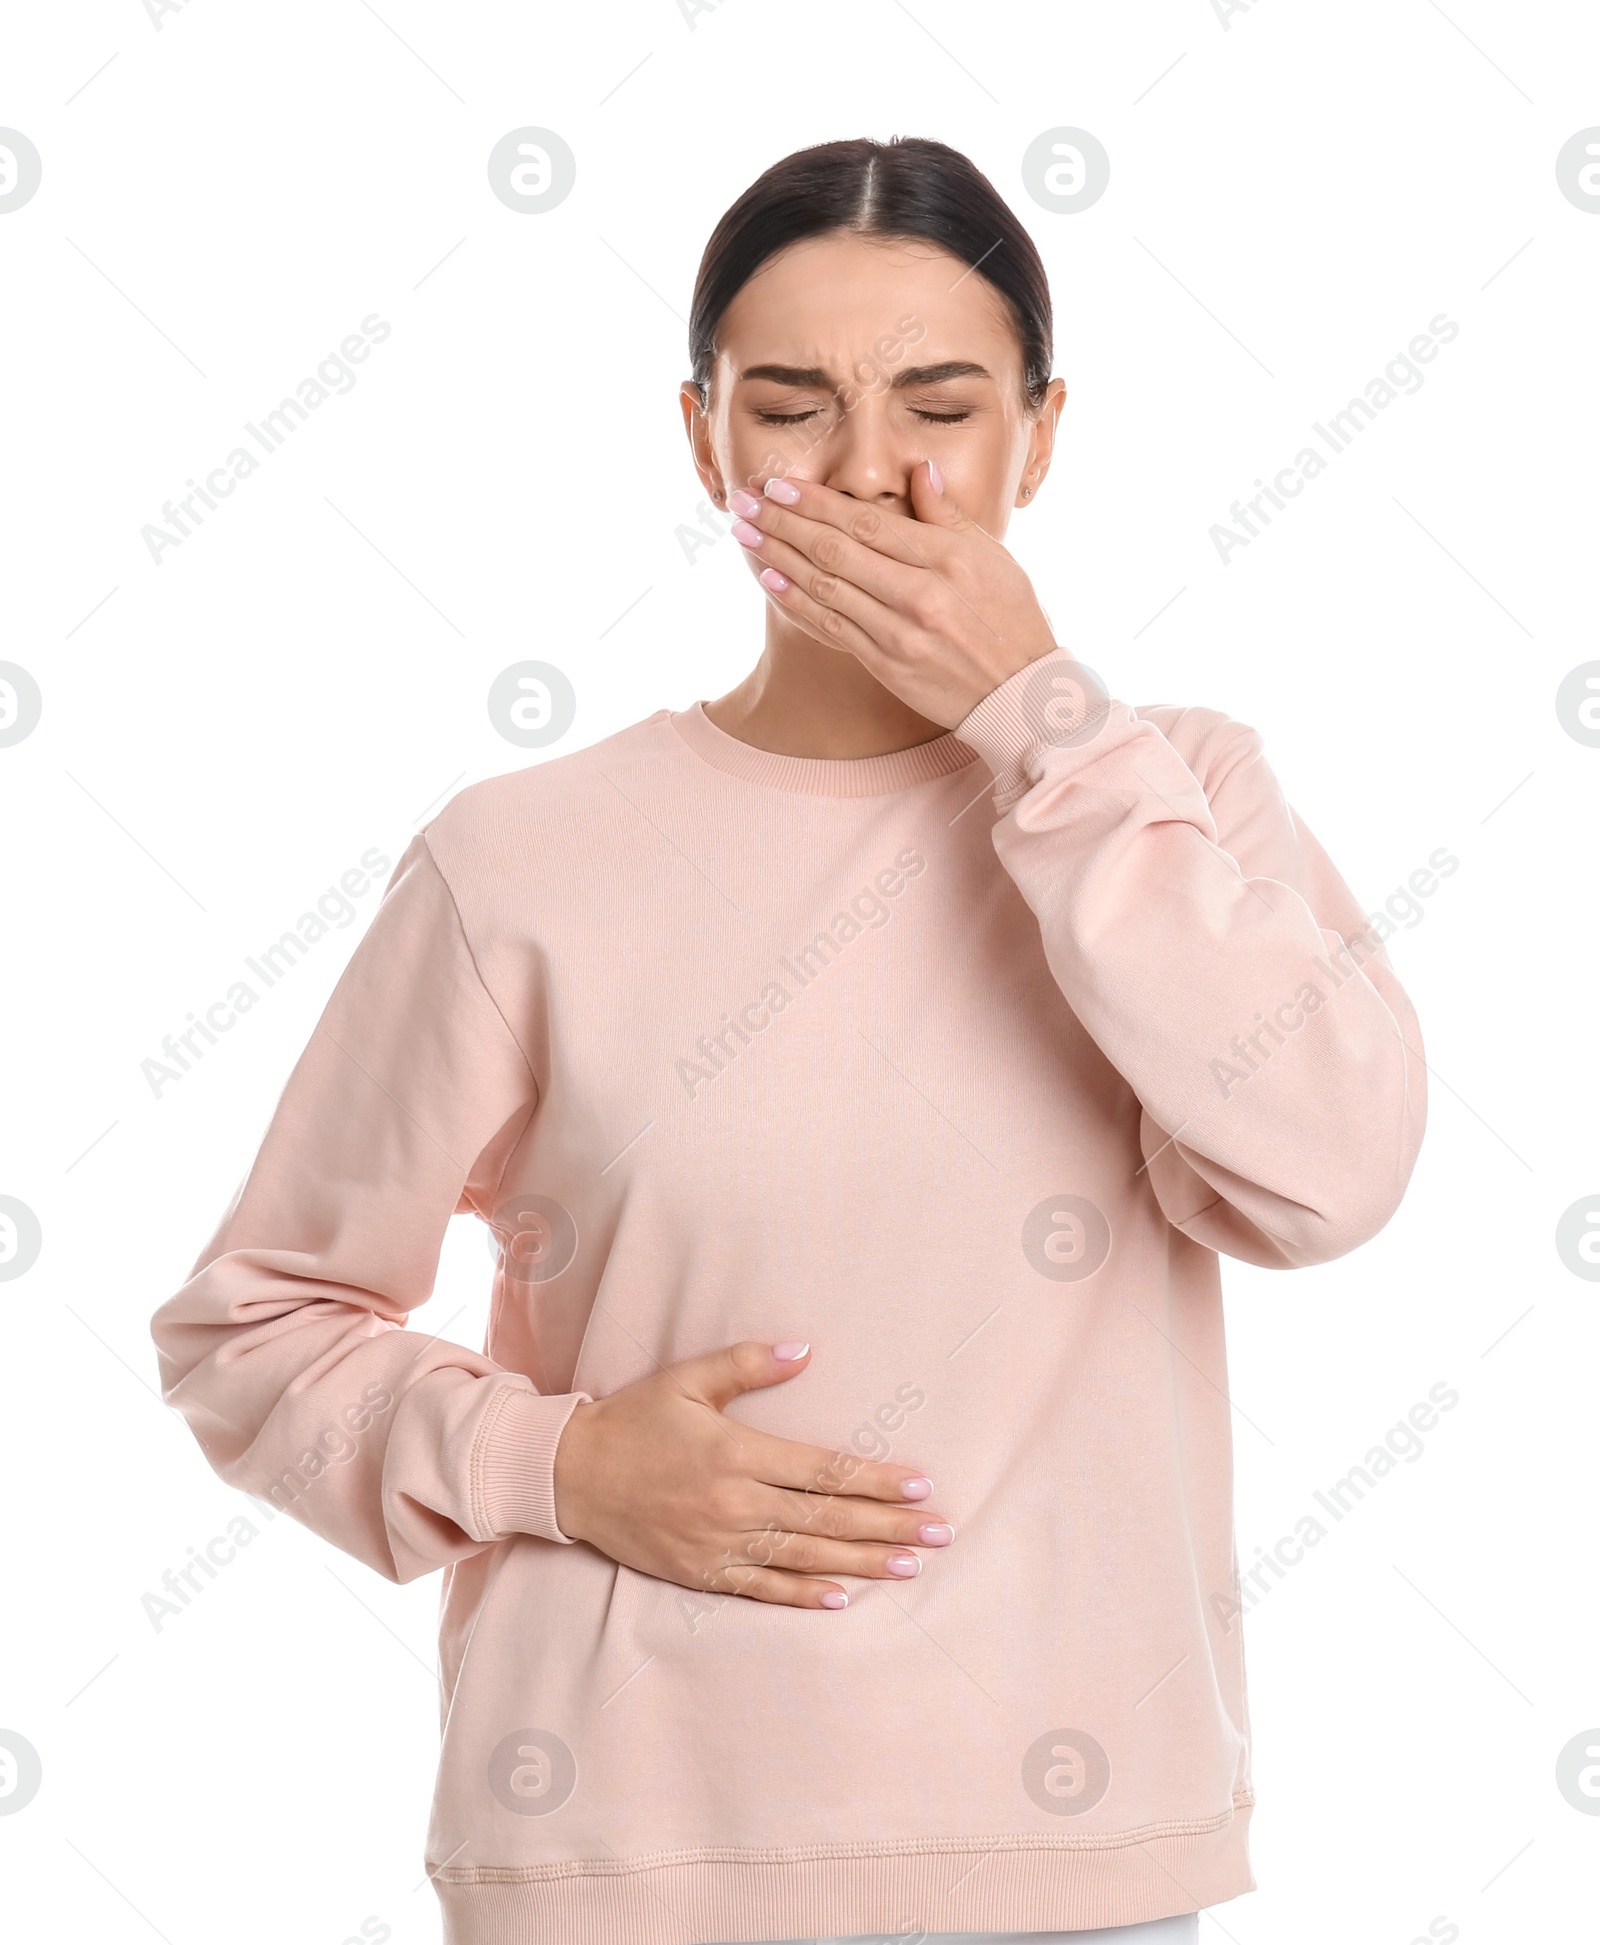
[(656, 1477)]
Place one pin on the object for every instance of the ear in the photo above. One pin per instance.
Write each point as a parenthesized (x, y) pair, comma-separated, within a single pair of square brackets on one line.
[(1042, 443), (698, 426)]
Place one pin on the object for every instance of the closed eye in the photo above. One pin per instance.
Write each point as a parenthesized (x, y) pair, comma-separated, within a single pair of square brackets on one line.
[(800, 418)]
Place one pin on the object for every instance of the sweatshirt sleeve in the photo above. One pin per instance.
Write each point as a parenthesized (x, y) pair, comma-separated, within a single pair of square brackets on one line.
[(286, 1350), (1208, 945)]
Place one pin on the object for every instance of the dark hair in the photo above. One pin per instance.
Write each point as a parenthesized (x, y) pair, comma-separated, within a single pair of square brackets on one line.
[(908, 187)]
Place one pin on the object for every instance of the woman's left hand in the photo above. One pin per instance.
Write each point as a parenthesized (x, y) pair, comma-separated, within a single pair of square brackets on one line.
[(934, 607)]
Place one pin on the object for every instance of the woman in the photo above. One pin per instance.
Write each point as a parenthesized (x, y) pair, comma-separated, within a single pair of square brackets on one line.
[(862, 1073)]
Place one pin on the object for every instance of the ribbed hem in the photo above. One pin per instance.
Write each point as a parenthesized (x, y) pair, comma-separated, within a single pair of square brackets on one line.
[(515, 1483), (1052, 702), (857, 776), (1031, 1882)]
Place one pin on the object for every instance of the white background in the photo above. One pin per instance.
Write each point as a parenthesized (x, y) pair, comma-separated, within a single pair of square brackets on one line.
[(1294, 194)]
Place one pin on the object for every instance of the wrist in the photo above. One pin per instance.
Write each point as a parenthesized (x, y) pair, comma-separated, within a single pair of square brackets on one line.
[(1008, 661), (569, 1472)]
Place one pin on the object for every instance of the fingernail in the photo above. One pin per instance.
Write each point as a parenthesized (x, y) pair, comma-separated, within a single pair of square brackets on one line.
[(785, 492), (745, 534), (935, 1535), (915, 1488), (835, 1597), (790, 1348), (935, 477), (771, 578), (904, 1564), (744, 503)]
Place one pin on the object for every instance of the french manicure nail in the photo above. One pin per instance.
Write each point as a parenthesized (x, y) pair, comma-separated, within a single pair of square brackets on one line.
[(915, 1488), (835, 1597), (934, 1534), (745, 534), (744, 503), (785, 492), (904, 1564), (771, 578), (789, 1349), (935, 477)]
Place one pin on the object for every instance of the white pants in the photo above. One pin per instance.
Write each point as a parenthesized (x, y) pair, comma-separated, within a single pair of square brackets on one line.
[(1184, 1930)]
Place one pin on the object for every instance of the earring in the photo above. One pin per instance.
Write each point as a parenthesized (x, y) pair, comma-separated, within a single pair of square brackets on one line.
[(717, 496), (1027, 492)]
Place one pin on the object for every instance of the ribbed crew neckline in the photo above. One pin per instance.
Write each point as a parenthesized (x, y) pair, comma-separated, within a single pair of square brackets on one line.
[(854, 776)]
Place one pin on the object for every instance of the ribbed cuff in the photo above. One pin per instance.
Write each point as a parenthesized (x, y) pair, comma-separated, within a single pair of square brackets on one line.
[(515, 1485), (1052, 702)]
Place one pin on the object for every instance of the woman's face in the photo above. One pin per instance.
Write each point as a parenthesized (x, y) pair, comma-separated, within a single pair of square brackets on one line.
[(850, 359)]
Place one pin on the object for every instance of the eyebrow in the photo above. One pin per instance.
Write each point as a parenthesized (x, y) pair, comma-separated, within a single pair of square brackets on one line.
[(814, 378)]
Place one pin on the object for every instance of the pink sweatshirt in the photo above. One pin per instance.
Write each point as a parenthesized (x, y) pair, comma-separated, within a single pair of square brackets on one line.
[(966, 1087)]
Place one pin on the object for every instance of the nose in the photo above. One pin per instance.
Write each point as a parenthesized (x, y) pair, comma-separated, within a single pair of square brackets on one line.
[(864, 456)]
